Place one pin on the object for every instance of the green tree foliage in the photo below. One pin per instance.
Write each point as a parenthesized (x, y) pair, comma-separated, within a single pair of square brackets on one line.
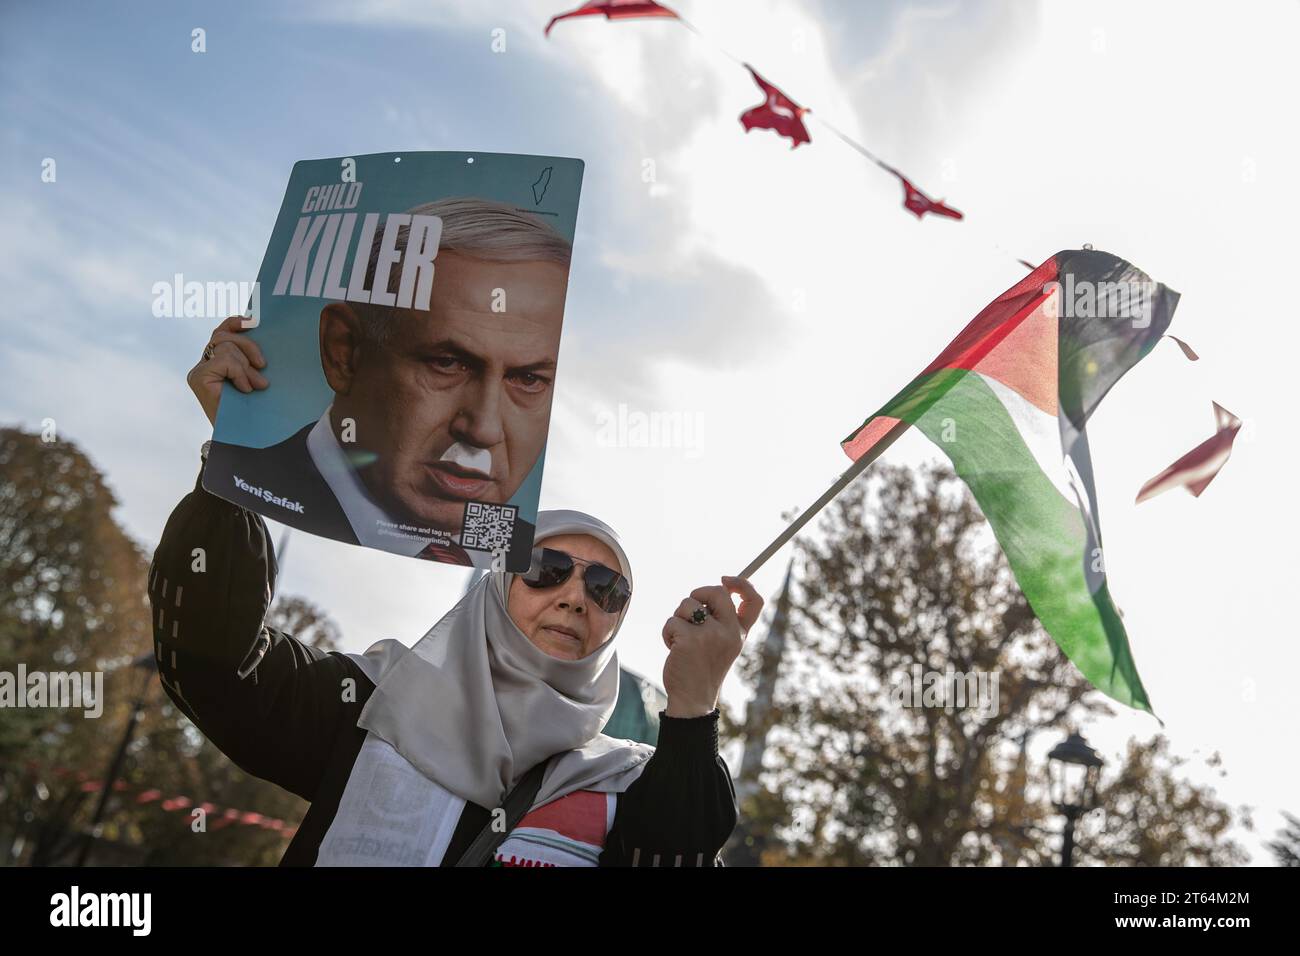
[(1152, 816), (1286, 848), (72, 597), (905, 579)]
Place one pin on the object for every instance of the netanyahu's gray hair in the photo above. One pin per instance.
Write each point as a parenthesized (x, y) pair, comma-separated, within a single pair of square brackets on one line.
[(482, 228)]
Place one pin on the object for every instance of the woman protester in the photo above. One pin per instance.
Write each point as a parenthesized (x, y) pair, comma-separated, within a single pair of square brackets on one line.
[(482, 743)]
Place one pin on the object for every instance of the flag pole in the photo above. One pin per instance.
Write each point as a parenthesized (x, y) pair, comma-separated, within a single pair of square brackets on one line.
[(857, 468)]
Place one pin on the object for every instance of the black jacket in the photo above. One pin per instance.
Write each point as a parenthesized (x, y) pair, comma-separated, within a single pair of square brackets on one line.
[(272, 704)]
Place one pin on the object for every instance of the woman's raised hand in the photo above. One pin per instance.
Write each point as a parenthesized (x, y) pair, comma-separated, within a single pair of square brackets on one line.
[(234, 356), (700, 655)]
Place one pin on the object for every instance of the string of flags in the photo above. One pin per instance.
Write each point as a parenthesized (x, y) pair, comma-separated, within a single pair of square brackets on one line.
[(219, 817), (780, 113), (614, 10)]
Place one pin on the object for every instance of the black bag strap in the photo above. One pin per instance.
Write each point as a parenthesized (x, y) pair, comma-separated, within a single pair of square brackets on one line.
[(516, 804)]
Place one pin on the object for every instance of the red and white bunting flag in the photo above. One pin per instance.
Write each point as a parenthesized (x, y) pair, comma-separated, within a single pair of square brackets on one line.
[(1197, 468)]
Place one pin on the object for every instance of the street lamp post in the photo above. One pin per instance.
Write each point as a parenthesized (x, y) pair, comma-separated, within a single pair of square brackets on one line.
[(1073, 768), (148, 666)]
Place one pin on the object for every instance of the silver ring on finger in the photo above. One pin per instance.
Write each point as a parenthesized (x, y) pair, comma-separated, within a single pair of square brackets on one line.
[(700, 614)]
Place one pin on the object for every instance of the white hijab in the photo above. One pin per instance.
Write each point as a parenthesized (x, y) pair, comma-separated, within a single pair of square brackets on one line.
[(474, 705)]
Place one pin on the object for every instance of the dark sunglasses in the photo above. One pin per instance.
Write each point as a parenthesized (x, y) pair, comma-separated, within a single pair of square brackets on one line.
[(607, 589)]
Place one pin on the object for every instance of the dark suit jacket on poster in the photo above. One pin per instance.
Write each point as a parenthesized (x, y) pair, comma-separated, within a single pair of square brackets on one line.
[(287, 470)]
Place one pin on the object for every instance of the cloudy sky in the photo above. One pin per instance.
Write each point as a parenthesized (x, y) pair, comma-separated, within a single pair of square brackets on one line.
[(771, 298)]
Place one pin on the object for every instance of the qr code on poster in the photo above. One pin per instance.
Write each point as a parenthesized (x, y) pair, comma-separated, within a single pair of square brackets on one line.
[(488, 527)]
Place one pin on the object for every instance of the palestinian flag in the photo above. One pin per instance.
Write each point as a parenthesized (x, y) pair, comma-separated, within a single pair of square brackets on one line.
[(1007, 402)]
